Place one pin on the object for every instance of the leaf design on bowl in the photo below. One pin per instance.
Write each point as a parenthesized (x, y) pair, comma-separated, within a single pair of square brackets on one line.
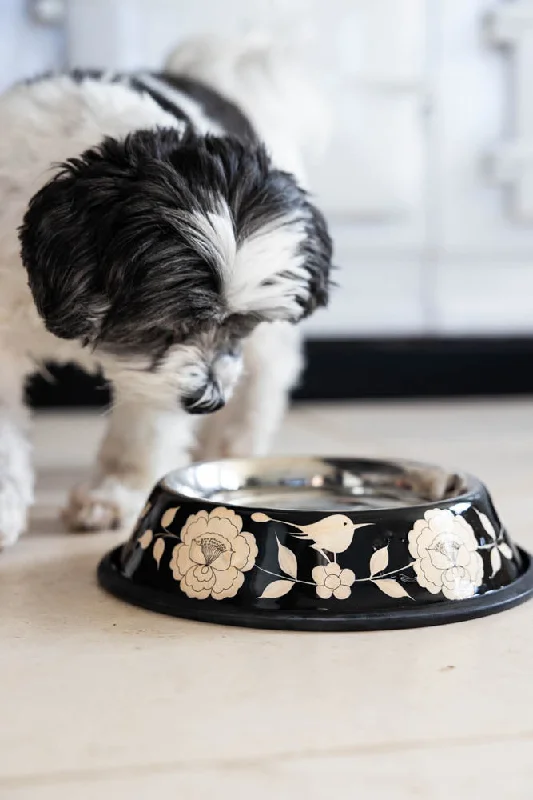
[(379, 561), (146, 539), (168, 517), (287, 560), (158, 550), (391, 588), (276, 589)]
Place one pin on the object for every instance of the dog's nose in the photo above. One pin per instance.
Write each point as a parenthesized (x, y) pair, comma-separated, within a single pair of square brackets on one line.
[(207, 401)]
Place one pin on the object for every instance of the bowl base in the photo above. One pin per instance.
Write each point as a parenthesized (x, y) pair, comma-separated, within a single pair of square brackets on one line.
[(442, 613)]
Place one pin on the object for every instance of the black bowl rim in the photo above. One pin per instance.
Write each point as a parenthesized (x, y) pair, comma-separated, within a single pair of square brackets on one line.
[(473, 486), (441, 613)]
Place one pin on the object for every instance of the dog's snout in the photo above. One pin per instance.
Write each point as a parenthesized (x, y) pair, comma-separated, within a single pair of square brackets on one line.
[(206, 401)]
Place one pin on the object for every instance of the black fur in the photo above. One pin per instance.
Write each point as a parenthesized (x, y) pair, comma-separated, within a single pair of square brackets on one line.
[(215, 107), (163, 102), (110, 260)]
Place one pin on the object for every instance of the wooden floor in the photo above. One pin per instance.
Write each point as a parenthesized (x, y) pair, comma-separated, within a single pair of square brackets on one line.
[(102, 700)]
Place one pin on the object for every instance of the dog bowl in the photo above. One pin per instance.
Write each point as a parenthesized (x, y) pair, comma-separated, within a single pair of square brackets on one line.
[(319, 544)]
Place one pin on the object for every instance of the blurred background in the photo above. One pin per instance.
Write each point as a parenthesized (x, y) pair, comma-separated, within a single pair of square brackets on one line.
[(427, 181)]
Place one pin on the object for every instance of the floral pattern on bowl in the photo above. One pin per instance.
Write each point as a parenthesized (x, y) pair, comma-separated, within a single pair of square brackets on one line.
[(213, 553)]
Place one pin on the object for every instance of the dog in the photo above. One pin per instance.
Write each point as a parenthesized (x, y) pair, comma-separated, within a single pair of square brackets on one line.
[(156, 227)]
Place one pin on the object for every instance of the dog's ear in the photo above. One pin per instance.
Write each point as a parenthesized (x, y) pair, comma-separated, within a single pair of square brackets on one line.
[(317, 248), (58, 250)]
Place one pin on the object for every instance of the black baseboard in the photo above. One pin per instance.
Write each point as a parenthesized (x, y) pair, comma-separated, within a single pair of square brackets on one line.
[(348, 369), (411, 368)]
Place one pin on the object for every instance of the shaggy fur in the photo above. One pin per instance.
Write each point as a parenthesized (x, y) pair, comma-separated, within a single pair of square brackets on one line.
[(151, 228)]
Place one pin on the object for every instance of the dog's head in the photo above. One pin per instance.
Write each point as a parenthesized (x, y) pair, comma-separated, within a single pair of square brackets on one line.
[(163, 251)]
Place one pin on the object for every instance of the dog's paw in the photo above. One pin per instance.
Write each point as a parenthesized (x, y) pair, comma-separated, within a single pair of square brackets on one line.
[(106, 506), (13, 514)]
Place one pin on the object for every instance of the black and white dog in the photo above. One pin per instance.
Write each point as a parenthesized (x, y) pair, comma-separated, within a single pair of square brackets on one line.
[(156, 226)]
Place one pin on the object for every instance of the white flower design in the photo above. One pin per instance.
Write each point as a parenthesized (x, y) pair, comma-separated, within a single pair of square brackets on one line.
[(446, 555), (213, 555), (331, 580)]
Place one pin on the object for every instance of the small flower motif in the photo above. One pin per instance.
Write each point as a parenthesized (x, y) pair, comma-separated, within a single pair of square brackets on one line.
[(331, 580), (213, 555), (446, 555)]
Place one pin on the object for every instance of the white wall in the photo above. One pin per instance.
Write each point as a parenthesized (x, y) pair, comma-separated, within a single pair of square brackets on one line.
[(425, 203), (27, 47)]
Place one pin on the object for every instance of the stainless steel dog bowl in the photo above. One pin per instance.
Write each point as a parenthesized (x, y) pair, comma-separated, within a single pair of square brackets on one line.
[(319, 544)]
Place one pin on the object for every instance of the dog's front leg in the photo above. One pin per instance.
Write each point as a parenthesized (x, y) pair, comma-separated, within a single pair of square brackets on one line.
[(16, 472), (143, 442)]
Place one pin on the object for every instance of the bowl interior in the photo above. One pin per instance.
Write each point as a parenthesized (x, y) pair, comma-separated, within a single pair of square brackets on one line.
[(317, 484)]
